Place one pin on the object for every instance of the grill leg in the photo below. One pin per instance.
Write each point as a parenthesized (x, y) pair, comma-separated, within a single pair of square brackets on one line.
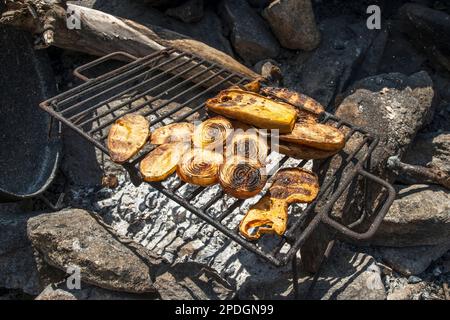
[(295, 277)]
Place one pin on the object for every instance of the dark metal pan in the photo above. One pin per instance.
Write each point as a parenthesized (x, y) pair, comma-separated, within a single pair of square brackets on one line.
[(30, 146)]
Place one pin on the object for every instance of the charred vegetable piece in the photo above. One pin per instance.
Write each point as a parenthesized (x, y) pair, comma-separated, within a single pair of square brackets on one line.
[(127, 136), (200, 167), (162, 161), (316, 135), (249, 145), (241, 178), (254, 109), (174, 132), (212, 133), (270, 213), (294, 98), (302, 152)]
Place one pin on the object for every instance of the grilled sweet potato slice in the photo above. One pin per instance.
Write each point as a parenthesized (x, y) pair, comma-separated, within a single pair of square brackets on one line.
[(254, 109), (161, 162), (127, 136), (200, 167), (174, 132), (294, 98), (270, 213), (316, 135), (302, 152)]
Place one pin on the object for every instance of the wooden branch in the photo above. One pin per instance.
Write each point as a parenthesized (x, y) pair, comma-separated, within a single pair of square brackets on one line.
[(101, 33)]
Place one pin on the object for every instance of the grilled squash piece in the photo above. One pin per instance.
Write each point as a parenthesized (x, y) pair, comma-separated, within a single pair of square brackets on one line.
[(241, 178), (200, 167), (270, 213), (174, 132), (294, 98), (254, 109), (302, 152), (127, 136), (316, 135), (212, 133), (161, 162)]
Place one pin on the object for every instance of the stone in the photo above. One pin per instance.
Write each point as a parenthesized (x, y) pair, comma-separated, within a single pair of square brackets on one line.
[(190, 11), (73, 238), (250, 37), (327, 72), (429, 150), (429, 29), (355, 275), (406, 292), (412, 260), (419, 216), (270, 70), (293, 23)]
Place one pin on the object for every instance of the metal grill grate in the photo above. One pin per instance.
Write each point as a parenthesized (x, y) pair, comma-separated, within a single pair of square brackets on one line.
[(172, 86)]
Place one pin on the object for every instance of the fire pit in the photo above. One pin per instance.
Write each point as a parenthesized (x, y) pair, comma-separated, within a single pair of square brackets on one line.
[(172, 86)]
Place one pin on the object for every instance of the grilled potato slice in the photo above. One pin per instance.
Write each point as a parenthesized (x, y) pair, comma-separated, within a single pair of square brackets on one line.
[(254, 109), (241, 178), (212, 133), (302, 152), (161, 162), (316, 135), (294, 98), (174, 132), (127, 136), (200, 167), (270, 213)]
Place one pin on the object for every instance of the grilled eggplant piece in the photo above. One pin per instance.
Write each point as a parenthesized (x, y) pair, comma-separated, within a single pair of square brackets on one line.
[(248, 145), (316, 135), (162, 161), (294, 98), (127, 136), (270, 213), (254, 109), (200, 167), (241, 178), (174, 132), (301, 152), (212, 133)]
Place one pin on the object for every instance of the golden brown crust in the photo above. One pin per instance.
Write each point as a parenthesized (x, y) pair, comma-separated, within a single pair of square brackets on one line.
[(294, 98), (174, 132), (242, 179), (254, 109), (127, 136), (316, 135), (212, 133), (200, 167), (161, 162), (294, 185)]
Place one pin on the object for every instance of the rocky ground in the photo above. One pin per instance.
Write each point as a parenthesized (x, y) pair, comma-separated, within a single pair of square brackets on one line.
[(393, 81)]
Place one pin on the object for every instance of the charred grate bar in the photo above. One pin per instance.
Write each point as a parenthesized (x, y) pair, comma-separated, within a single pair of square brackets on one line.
[(172, 86)]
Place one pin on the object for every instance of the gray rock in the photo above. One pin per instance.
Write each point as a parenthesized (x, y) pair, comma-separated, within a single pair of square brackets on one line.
[(406, 292), (250, 37), (326, 72), (190, 11), (429, 150), (270, 70), (419, 216), (412, 260), (347, 275), (74, 238), (293, 23), (430, 29)]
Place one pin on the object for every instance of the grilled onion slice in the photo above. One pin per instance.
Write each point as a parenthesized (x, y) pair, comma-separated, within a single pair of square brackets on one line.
[(242, 179), (212, 133), (127, 136), (316, 135), (254, 109), (270, 213), (174, 132), (294, 98), (200, 167), (162, 161), (248, 145)]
